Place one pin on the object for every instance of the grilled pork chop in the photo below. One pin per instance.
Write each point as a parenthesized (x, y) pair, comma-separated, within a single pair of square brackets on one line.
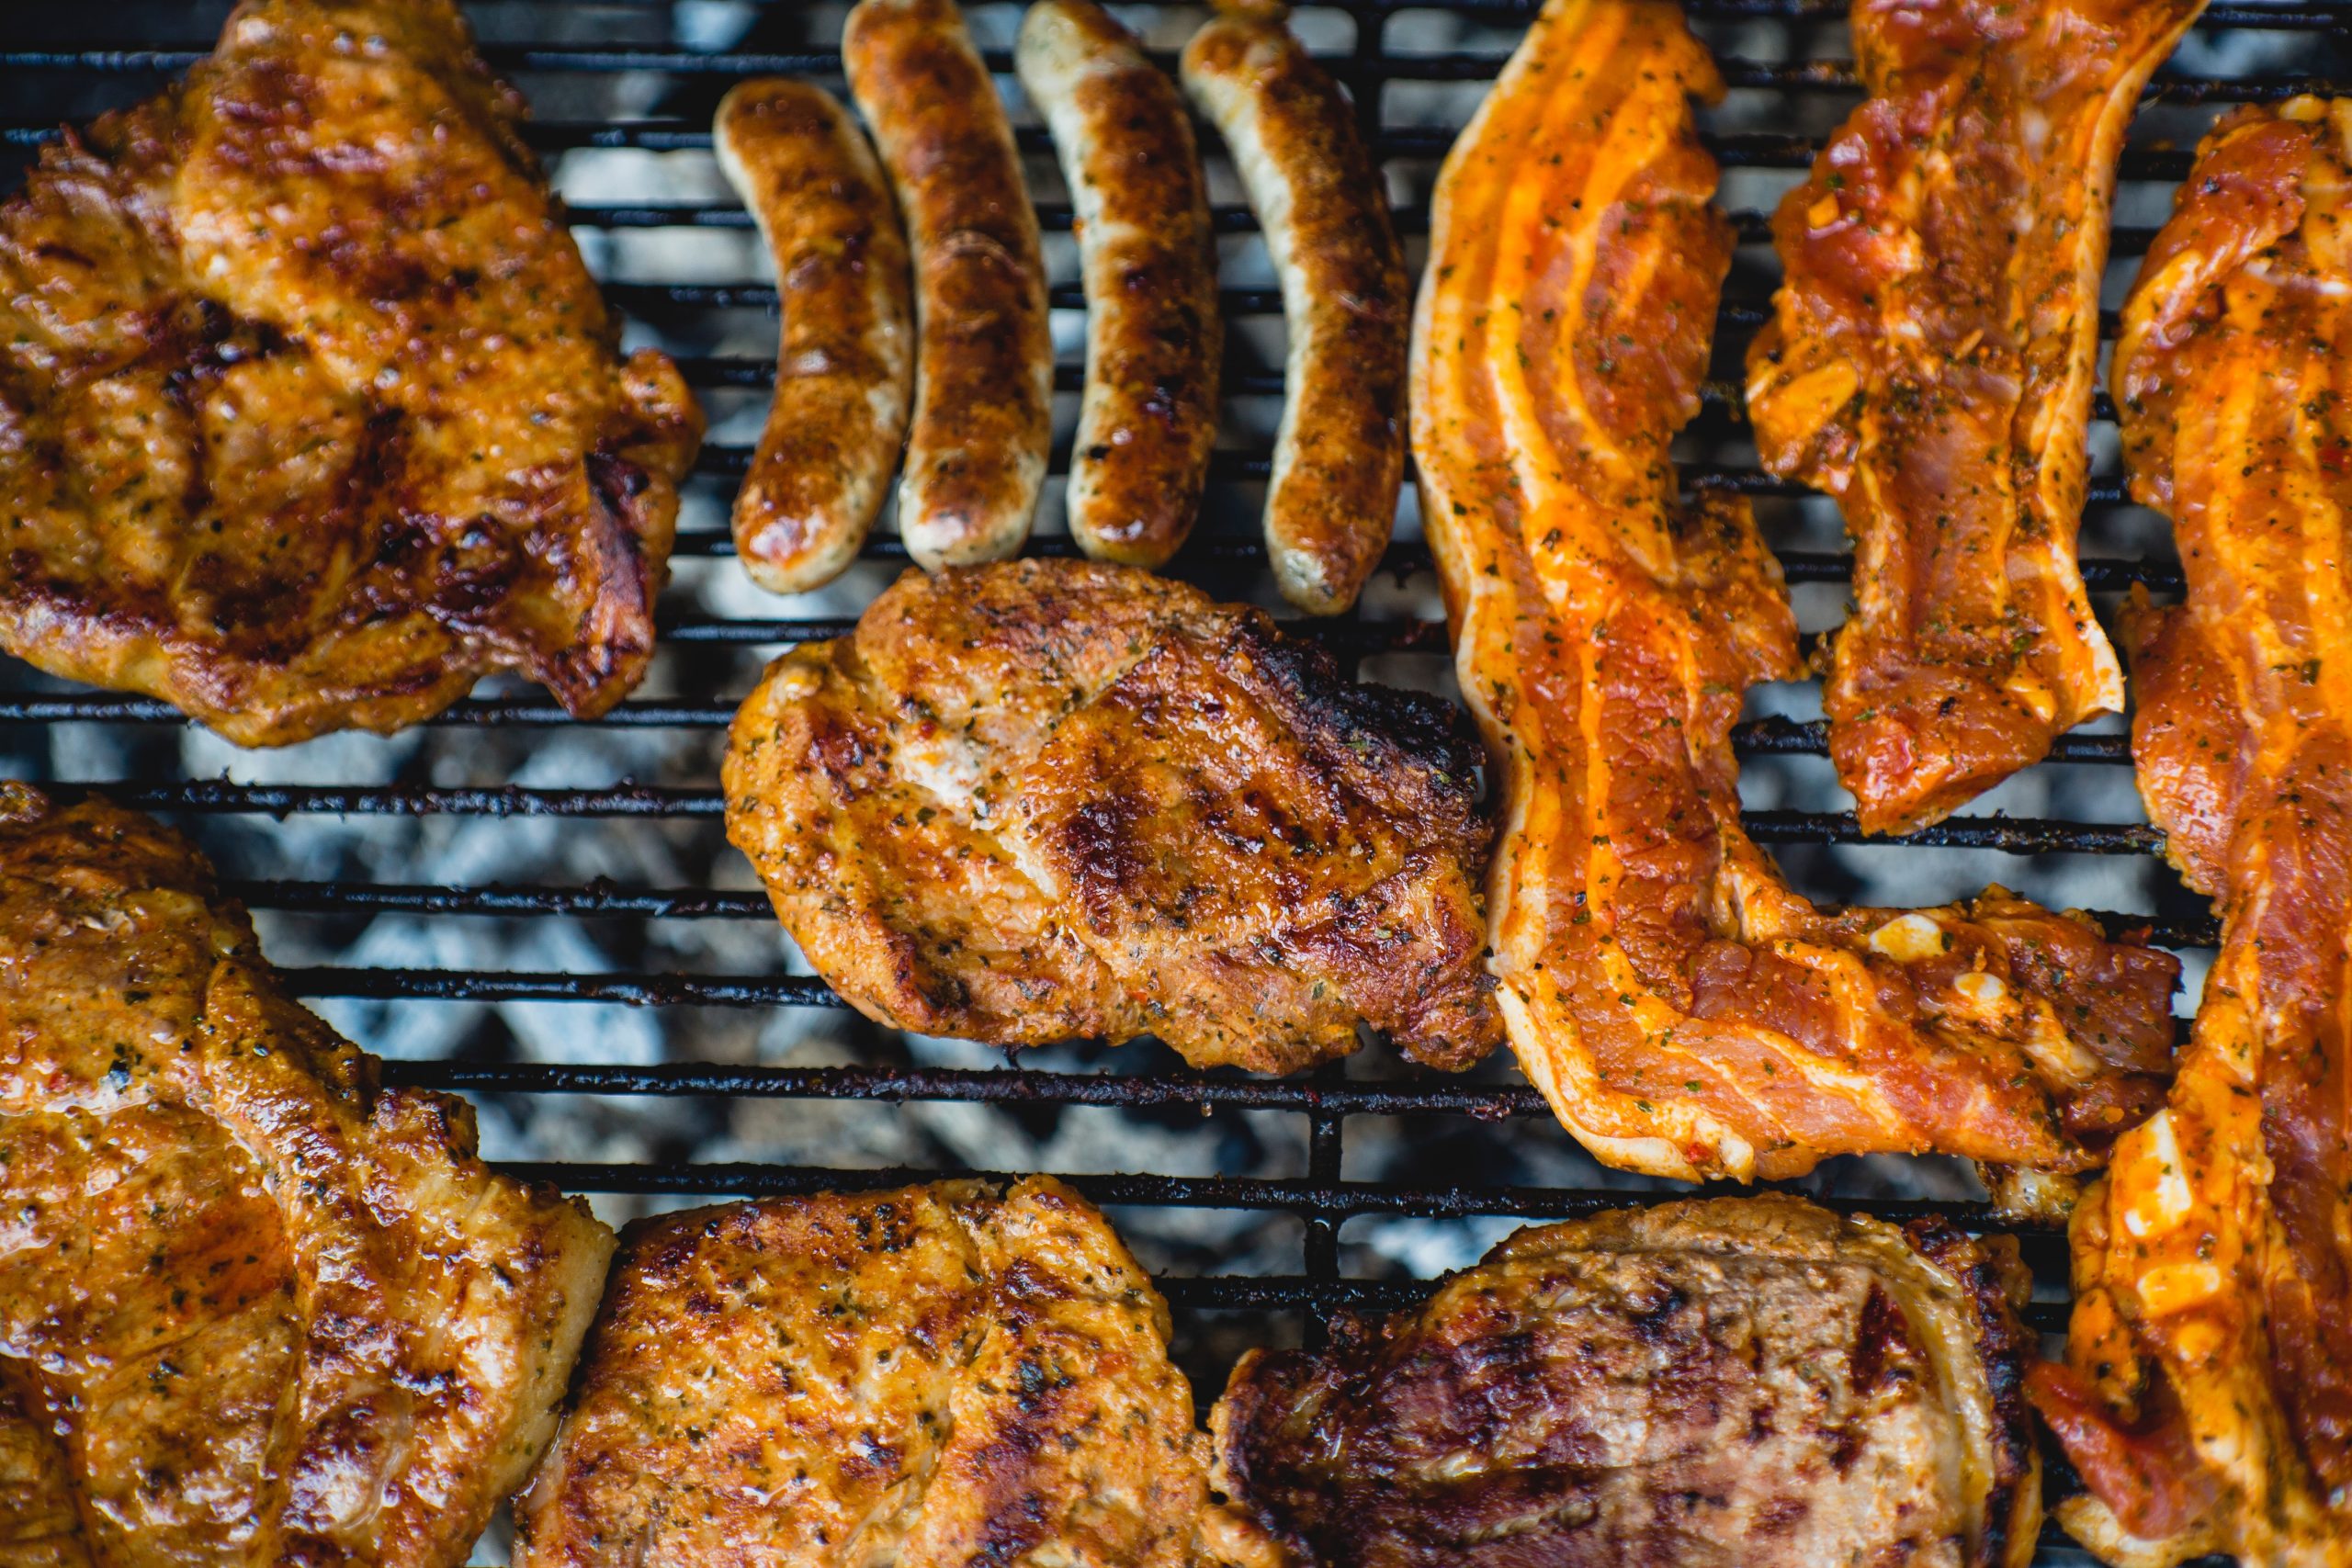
[(310, 414), (2207, 1397), (1931, 366), (1683, 1010), (253, 1309), (1744, 1383), (1048, 799), (934, 1378)]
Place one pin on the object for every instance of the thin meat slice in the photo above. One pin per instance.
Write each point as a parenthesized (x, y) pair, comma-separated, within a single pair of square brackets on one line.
[(2207, 1396), (1931, 364), (1154, 339), (1683, 1010)]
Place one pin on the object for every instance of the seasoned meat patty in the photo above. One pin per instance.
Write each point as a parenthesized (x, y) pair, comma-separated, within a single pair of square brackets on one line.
[(253, 1309), (310, 412), (1741, 1383), (932, 1378), (1048, 798)]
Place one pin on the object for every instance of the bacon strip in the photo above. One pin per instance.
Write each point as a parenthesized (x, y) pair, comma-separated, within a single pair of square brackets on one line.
[(1931, 366), (1683, 1010), (2208, 1397)]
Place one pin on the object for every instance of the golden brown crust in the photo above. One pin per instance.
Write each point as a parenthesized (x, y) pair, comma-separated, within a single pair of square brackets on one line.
[(1682, 1010), (276, 1314), (935, 1377), (984, 356), (1154, 338), (1931, 364), (1735, 1383), (2207, 1395), (1053, 799), (310, 414), (1347, 302), (844, 361)]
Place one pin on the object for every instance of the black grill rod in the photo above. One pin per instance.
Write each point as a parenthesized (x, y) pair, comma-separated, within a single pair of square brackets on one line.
[(1770, 737), (2014, 835), (693, 904), (1373, 67), (1337, 1200), (752, 372), (1411, 218)]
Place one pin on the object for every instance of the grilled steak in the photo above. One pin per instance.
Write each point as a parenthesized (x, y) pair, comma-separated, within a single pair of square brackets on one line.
[(1743, 1383)]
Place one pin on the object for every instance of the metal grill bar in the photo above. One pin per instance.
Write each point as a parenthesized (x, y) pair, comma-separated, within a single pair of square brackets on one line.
[(2013, 835)]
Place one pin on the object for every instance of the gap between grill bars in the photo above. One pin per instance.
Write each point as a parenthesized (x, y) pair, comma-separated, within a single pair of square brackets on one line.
[(540, 41)]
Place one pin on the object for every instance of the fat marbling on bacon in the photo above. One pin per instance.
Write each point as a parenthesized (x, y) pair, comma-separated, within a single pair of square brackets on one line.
[(2208, 1395), (1684, 1011), (1931, 366)]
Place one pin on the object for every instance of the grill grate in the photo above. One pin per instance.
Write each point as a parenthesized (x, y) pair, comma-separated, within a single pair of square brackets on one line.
[(627, 85)]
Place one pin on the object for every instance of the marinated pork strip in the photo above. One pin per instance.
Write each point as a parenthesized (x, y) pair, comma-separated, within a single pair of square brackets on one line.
[(1340, 452), (1931, 364), (844, 359), (1741, 1383), (984, 355), (1683, 1010), (2207, 1397), (1153, 335)]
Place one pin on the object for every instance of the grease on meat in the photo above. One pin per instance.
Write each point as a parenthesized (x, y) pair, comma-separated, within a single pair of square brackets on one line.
[(310, 412), (1684, 1011), (1052, 799), (253, 1309)]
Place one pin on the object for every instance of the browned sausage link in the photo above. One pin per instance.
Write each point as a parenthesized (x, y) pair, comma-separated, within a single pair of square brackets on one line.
[(844, 364), (1341, 452), (1153, 337), (984, 360)]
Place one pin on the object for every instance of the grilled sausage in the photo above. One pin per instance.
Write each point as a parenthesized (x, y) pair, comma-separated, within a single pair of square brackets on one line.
[(1153, 336), (1339, 454), (844, 364), (984, 360)]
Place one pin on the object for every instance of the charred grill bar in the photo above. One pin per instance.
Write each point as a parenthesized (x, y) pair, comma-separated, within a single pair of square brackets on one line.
[(1225, 552)]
